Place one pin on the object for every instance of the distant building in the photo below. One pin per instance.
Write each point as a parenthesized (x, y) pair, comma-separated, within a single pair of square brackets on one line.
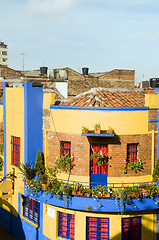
[(3, 54), (71, 83)]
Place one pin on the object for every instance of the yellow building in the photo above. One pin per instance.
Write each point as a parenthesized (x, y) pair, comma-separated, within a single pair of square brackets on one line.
[(34, 121)]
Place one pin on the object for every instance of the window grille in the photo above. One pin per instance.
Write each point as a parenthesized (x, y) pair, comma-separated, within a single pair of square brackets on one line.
[(131, 228), (97, 228), (132, 151), (15, 150), (31, 210), (66, 225)]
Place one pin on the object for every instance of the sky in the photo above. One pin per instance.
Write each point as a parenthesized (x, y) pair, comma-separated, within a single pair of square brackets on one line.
[(99, 34)]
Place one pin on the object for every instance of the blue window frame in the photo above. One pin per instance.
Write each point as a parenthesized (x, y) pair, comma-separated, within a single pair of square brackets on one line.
[(97, 228), (66, 148), (31, 210), (131, 228), (132, 151), (66, 225)]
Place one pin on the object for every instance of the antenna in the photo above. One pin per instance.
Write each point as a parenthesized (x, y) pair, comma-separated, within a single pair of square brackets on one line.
[(23, 54)]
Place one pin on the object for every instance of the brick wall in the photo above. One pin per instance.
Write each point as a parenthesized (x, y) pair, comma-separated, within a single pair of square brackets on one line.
[(7, 72), (153, 115), (78, 83), (117, 148)]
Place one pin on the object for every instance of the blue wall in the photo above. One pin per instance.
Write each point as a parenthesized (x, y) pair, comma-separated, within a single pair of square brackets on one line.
[(33, 122)]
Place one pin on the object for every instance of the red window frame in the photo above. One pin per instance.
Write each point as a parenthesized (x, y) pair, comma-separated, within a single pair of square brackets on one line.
[(95, 169), (66, 225), (65, 148), (131, 228), (97, 228), (132, 152), (15, 150)]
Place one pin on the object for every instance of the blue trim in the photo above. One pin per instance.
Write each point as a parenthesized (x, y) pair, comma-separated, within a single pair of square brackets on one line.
[(158, 137), (100, 108), (97, 135), (33, 122), (153, 120), (4, 128), (1, 103)]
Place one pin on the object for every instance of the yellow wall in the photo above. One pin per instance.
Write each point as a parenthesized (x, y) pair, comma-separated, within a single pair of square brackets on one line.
[(152, 100), (1, 113), (123, 122), (15, 127), (51, 230), (48, 99)]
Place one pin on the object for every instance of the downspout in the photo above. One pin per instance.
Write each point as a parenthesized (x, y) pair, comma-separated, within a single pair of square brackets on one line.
[(45, 147), (153, 153)]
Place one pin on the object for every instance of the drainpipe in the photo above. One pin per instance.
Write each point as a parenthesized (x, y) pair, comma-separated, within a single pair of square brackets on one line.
[(153, 153), (45, 146)]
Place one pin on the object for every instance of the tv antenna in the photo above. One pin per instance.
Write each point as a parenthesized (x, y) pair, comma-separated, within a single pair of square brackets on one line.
[(23, 54)]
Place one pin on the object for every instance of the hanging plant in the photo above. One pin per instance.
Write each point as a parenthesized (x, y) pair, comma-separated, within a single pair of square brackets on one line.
[(99, 158)]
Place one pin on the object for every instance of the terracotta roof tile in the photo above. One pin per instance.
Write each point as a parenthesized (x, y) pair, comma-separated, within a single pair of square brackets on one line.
[(102, 97)]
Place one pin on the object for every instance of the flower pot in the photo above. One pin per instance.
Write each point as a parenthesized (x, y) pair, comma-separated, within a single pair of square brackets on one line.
[(106, 195), (110, 131), (28, 180), (84, 131), (43, 186), (97, 130)]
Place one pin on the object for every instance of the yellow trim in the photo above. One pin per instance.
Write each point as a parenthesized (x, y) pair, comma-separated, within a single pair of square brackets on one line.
[(153, 152)]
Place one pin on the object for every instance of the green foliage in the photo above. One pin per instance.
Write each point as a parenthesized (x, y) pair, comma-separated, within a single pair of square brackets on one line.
[(89, 208), (136, 166), (39, 164), (155, 174), (65, 164), (97, 125), (100, 159), (1, 148), (27, 170), (34, 187), (67, 189), (1, 163)]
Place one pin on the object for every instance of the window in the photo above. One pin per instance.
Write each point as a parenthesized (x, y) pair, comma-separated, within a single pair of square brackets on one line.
[(132, 150), (31, 210), (4, 59), (95, 169), (66, 148), (66, 225), (15, 150), (131, 228), (4, 53), (97, 228)]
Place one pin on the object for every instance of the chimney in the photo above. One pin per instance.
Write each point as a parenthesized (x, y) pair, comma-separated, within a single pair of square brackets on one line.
[(85, 70)]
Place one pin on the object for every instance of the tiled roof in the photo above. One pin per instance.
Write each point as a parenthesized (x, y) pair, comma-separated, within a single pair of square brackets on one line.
[(102, 97)]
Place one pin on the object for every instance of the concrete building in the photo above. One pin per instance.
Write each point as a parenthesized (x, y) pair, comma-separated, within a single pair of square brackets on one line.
[(34, 121), (3, 54)]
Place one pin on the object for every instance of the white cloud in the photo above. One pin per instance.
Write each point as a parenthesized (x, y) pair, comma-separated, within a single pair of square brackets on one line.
[(45, 7)]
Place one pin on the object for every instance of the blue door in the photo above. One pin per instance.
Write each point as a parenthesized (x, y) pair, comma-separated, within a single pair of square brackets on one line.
[(98, 173)]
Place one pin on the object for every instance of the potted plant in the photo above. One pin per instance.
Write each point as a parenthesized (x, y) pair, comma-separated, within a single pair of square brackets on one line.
[(27, 170), (110, 130), (39, 164), (155, 175), (84, 129), (1, 163), (65, 164), (97, 128)]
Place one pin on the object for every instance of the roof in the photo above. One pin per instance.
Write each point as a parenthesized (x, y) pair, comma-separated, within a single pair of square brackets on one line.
[(102, 97)]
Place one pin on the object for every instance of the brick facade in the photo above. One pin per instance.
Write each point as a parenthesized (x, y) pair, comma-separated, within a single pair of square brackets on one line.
[(7, 72), (117, 149), (78, 83)]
